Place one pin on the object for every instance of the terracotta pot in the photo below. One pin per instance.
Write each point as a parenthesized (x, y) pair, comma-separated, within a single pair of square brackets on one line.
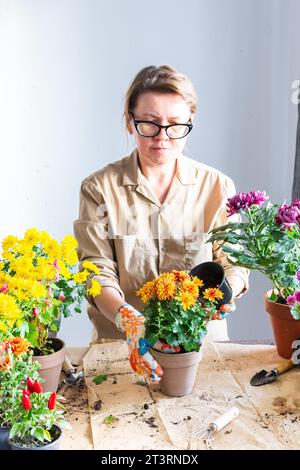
[(53, 445), (4, 434), (179, 371), (51, 365), (285, 328)]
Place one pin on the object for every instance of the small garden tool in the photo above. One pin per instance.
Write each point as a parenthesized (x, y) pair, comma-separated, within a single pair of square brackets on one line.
[(219, 423), (73, 377), (264, 377)]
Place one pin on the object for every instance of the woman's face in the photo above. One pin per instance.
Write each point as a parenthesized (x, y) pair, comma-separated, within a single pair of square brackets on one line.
[(164, 109)]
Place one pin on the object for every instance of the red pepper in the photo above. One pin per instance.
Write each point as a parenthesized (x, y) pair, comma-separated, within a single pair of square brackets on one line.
[(30, 384), (37, 388), (26, 402), (26, 392), (52, 401)]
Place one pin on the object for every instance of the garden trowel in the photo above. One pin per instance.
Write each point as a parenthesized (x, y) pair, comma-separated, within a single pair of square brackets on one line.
[(73, 377), (264, 377)]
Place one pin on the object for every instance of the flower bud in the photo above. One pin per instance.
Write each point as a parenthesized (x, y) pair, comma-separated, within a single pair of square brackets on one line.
[(35, 312), (62, 297)]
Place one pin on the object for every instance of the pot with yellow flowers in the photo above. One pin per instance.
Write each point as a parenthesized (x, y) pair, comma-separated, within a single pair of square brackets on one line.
[(38, 284), (175, 316)]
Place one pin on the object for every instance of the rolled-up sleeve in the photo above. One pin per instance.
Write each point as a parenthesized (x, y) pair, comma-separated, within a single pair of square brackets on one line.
[(91, 232), (233, 273)]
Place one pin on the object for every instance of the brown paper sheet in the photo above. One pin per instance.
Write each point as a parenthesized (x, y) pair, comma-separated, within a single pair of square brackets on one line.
[(269, 415)]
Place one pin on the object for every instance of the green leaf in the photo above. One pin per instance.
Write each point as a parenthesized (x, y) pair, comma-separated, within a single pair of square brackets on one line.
[(110, 420), (98, 379), (16, 428)]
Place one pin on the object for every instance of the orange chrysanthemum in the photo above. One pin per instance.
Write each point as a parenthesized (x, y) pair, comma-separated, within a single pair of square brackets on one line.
[(5, 362), (166, 286), (17, 345), (147, 291), (212, 294), (187, 300), (191, 287), (181, 276)]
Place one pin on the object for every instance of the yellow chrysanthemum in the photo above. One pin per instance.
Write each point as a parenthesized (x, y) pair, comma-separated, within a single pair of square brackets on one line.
[(7, 255), (187, 300), (81, 277), (147, 291), (37, 290), (10, 243), (3, 327), (166, 286), (52, 249), (91, 267), (33, 236), (63, 270), (198, 282), (8, 308), (95, 288), (212, 294), (1, 265)]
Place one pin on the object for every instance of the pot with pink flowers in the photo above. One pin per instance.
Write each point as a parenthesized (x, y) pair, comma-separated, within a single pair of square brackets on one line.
[(265, 236)]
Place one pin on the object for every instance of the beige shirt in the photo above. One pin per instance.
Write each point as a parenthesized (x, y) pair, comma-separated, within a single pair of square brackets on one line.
[(132, 237)]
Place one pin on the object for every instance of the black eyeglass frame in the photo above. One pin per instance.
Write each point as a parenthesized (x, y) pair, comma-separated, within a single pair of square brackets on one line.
[(137, 121)]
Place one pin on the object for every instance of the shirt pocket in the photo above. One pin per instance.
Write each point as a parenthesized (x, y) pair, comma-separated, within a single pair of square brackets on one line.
[(131, 252), (196, 250)]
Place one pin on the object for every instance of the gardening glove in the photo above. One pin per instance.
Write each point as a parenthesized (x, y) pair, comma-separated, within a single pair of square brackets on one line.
[(224, 310), (131, 322)]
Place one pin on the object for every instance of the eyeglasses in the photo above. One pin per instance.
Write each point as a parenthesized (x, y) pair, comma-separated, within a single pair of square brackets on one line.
[(151, 129)]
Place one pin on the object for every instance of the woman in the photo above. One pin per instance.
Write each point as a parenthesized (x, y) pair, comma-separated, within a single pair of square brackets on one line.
[(151, 211)]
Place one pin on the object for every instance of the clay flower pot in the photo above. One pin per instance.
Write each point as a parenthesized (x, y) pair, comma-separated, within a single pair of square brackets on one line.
[(285, 328), (51, 365), (55, 432), (179, 371)]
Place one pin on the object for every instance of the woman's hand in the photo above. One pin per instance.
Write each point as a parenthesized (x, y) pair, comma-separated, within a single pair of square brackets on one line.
[(131, 322), (224, 310)]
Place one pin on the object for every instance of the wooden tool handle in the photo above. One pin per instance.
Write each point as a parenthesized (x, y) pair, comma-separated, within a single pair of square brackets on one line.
[(284, 366)]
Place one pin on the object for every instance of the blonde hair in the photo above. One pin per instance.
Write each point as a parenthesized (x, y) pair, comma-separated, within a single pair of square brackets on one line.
[(164, 79)]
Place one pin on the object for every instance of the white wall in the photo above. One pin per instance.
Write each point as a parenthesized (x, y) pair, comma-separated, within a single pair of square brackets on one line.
[(65, 66)]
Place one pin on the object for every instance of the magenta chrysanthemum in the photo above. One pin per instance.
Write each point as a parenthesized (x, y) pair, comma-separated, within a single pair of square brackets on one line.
[(288, 215), (242, 201)]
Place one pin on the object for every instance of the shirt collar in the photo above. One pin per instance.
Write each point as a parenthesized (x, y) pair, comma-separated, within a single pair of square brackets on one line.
[(186, 172)]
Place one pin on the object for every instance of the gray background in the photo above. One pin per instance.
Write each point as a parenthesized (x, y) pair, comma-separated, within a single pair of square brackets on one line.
[(65, 67)]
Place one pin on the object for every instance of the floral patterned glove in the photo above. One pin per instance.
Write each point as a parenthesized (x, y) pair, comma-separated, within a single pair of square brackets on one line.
[(224, 310), (131, 322)]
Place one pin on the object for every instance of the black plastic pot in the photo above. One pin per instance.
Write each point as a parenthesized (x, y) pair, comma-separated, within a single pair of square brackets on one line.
[(54, 445), (213, 275), (4, 434)]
